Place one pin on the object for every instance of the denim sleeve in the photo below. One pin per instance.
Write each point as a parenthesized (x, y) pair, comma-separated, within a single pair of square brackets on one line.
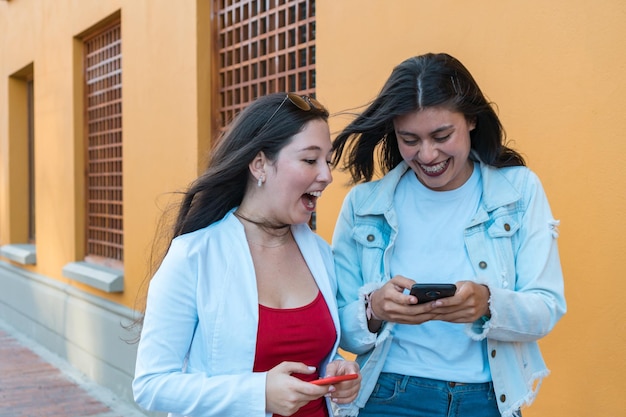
[(355, 336), (528, 306)]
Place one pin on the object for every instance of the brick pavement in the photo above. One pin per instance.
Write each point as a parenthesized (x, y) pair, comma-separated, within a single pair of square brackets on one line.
[(43, 385)]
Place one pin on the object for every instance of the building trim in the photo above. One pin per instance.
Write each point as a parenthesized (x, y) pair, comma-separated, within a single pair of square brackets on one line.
[(25, 254), (97, 276)]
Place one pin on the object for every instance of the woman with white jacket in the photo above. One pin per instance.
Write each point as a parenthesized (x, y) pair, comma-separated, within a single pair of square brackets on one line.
[(241, 315)]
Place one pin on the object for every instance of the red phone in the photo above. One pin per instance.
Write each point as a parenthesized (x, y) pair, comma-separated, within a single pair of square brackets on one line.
[(334, 379)]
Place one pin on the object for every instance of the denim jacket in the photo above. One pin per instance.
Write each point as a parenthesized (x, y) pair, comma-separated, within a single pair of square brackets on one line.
[(511, 243), (198, 343)]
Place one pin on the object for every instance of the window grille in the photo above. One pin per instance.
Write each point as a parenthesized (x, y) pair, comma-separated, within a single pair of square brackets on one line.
[(264, 46), (103, 124)]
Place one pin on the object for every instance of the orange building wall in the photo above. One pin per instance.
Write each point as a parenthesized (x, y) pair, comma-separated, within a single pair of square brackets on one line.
[(165, 78), (556, 72), (555, 69)]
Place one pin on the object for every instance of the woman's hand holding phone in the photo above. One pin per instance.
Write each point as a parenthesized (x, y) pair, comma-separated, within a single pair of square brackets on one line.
[(469, 303), (285, 394), (345, 379), (391, 303)]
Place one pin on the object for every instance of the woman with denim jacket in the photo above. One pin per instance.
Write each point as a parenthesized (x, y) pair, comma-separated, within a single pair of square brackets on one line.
[(241, 316), (457, 206)]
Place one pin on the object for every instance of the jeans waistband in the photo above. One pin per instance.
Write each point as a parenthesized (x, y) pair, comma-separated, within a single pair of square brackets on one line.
[(456, 386)]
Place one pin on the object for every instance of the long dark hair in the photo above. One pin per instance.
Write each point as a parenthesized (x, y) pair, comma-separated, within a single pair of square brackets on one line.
[(267, 125), (430, 80), (222, 186)]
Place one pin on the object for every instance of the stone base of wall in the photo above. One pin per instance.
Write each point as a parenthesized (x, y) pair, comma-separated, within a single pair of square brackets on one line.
[(84, 330)]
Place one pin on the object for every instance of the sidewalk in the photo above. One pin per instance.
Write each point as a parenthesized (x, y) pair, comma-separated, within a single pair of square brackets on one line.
[(35, 382)]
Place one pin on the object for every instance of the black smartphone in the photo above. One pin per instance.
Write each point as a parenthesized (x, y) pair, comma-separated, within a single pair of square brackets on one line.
[(431, 292)]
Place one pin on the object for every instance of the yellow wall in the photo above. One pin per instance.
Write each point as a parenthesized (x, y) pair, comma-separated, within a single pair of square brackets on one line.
[(556, 71), (165, 76), (554, 68)]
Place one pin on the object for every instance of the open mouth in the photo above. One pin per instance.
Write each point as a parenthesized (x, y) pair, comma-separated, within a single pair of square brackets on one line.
[(310, 199), (436, 169)]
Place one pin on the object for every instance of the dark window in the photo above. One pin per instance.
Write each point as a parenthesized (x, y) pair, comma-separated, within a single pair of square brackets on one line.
[(264, 46)]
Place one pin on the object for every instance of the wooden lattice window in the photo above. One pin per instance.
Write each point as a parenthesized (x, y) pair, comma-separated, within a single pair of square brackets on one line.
[(103, 124), (264, 46)]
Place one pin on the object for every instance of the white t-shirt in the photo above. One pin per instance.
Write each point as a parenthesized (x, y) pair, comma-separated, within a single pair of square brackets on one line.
[(430, 248)]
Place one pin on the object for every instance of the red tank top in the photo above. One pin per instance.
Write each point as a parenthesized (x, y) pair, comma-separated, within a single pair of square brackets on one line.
[(304, 334)]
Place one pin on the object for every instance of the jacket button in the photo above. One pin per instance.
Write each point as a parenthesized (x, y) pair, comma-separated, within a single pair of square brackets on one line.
[(482, 264), (507, 227), (370, 238), (493, 353), (503, 398)]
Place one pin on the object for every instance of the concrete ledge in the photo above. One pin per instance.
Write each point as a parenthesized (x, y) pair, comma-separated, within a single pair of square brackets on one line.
[(24, 254), (100, 277)]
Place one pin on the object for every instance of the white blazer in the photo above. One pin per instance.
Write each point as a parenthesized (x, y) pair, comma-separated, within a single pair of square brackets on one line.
[(198, 341)]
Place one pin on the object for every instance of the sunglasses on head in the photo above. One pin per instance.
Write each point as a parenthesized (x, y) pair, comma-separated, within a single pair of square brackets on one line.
[(304, 103)]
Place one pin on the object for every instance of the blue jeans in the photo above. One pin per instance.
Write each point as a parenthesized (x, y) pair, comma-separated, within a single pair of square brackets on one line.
[(408, 396)]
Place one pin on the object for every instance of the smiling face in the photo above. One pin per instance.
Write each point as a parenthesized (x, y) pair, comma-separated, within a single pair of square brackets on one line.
[(435, 142), (295, 181)]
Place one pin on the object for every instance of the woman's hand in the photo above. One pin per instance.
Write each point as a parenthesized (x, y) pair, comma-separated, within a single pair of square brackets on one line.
[(346, 391), (285, 394), (390, 303), (470, 303)]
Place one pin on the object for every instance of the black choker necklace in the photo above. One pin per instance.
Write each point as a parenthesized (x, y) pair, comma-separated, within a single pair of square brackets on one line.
[(263, 225)]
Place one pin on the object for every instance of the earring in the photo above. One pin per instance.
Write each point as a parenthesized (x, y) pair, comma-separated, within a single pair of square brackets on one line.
[(259, 183)]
